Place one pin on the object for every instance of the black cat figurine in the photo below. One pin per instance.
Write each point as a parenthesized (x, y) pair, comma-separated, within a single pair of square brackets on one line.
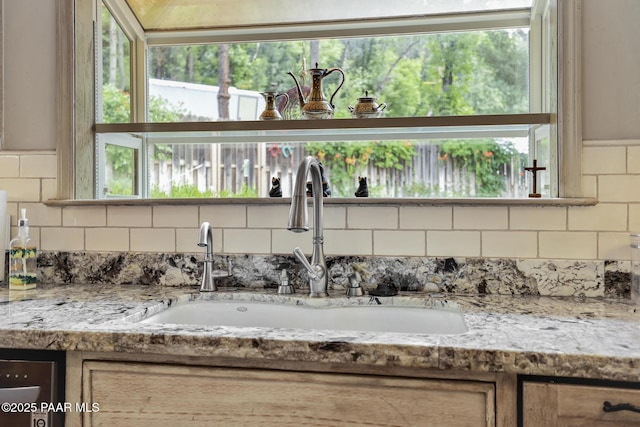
[(363, 190), (326, 190), (276, 189)]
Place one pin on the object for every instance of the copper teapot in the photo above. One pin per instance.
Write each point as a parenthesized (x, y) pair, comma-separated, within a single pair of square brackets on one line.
[(316, 106)]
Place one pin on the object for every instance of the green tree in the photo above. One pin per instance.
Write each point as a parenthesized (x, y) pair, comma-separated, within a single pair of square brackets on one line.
[(484, 159)]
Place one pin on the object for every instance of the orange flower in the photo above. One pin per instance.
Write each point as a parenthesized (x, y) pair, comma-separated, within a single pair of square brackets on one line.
[(337, 156), (488, 154), (444, 156)]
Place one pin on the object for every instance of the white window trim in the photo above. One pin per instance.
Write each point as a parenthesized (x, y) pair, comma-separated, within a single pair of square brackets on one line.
[(75, 139)]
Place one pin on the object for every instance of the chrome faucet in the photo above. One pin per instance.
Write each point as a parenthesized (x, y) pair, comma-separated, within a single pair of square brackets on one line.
[(206, 241), (299, 222)]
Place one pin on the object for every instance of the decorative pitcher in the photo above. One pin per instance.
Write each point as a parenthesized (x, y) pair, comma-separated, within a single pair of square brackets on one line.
[(270, 111), (316, 106)]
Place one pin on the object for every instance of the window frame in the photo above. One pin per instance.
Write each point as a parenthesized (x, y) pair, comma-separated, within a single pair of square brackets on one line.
[(76, 145)]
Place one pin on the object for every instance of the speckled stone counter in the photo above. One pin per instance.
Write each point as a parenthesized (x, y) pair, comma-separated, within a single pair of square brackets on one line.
[(590, 338)]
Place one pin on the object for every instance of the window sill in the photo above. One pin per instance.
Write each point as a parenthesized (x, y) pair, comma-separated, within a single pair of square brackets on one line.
[(352, 201)]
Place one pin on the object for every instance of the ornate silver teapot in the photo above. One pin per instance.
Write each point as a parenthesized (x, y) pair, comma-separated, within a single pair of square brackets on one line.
[(367, 107), (317, 106)]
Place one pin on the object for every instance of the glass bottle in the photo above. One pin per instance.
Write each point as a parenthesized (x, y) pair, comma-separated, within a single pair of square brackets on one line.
[(22, 257)]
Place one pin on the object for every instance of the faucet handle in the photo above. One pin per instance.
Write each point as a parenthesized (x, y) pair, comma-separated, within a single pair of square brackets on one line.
[(285, 287), (316, 272), (354, 289)]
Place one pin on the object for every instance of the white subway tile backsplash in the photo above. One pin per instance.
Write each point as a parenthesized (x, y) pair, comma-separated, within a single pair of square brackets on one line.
[(603, 217), (568, 245), (9, 166), (611, 173), (480, 218), (268, 216), (426, 218), (510, 244), (38, 166), (62, 238), (603, 160), (334, 217), (49, 189), (175, 216), (537, 218), (590, 186), (84, 216), (399, 242), (634, 217), (453, 243), (129, 216), (21, 189), (42, 215), (619, 188), (614, 246), (372, 217), (633, 159), (347, 242), (110, 239), (284, 241), (153, 239), (249, 241), (223, 216)]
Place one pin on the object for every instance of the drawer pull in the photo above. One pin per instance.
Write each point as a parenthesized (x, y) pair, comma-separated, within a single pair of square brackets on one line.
[(608, 407)]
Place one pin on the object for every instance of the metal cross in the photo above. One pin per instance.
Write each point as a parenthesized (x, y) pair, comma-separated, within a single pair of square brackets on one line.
[(535, 170)]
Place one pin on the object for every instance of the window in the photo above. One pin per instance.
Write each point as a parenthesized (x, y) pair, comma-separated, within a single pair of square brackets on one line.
[(491, 141)]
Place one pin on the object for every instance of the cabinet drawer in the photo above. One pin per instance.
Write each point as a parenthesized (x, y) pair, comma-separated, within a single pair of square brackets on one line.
[(577, 405), (169, 395)]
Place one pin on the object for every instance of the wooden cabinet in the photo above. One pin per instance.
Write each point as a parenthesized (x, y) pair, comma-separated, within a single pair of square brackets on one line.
[(130, 393), (552, 404)]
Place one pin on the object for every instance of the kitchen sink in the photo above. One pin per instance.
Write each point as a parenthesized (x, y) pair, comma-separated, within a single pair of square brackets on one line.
[(365, 318)]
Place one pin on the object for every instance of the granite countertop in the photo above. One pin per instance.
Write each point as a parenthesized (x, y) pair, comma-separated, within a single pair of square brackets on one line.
[(590, 338)]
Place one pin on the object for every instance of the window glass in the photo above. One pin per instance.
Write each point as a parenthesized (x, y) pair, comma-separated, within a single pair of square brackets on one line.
[(463, 73), (487, 167), (461, 69), (121, 171), (116, 72)]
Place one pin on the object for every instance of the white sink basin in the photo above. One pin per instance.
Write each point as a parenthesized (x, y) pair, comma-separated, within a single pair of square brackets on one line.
[(370, 318)]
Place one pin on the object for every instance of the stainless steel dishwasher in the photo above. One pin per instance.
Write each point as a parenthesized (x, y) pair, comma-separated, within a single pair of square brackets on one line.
[(31, 388)]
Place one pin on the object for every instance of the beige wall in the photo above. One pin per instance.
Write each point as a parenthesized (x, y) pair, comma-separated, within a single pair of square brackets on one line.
[(29, 43), (611, 69), (611, 172)]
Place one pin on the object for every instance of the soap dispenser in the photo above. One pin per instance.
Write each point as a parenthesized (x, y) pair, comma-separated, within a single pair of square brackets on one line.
[(22, 257)]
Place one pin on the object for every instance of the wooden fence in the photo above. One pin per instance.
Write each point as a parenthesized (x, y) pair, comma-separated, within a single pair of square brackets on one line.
[(246, 170)]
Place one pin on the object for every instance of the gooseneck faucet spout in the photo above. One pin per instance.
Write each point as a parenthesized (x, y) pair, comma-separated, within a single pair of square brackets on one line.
[(206, 241), (299, 222)]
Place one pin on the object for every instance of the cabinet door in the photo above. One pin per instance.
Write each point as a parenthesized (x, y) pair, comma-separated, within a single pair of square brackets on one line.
[(167, 395), (577, 405)]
